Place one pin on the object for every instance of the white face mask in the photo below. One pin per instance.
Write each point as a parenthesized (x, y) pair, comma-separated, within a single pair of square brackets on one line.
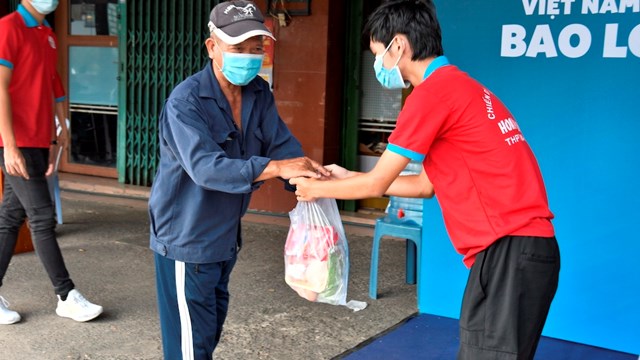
[(44, 7)]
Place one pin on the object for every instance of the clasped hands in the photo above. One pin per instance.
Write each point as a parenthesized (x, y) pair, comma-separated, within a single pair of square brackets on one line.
[(304, 184)]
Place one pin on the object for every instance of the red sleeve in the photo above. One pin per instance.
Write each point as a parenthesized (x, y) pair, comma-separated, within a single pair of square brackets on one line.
[(8, 44), (420, 121), (58, 89)]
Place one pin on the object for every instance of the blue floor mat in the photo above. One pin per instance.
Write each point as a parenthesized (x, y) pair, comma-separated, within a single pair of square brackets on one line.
[(432, 337)]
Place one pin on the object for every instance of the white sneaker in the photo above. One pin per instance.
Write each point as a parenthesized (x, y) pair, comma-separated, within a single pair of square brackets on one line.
[(77, 307), (7, 316)]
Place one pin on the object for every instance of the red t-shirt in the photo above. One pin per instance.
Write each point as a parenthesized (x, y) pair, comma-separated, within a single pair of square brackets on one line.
[(29, 49), (485, 176)]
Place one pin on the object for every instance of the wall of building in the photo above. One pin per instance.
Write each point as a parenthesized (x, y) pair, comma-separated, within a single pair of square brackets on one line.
[(307, 86), (569, 72)]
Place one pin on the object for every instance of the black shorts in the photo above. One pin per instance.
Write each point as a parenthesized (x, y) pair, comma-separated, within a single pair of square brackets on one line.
[(507, 298)]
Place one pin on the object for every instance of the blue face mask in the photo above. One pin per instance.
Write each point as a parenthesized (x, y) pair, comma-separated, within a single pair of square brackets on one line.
[(240, 69), (389, 78), (44, 7)]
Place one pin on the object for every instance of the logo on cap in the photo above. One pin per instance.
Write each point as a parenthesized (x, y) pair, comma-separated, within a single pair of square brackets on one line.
[(235, 22), (242, 12)]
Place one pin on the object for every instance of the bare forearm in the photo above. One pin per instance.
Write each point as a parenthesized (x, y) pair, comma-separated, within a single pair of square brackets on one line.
[(270, 172), (357, 186), (413, 186), (61, 116), (417, 186), (56, 113)]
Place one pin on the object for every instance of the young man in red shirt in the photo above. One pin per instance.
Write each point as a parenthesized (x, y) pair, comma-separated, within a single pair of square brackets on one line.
[(485, 176), (29, 85)]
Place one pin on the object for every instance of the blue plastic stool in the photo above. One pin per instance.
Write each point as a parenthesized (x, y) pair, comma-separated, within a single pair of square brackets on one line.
[(403, 221)]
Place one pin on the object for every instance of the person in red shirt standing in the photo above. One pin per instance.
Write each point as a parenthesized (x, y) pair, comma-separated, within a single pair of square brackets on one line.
[(29, 86), (486, 178)]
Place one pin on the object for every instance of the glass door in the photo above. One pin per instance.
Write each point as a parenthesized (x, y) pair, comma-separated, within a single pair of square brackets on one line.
[(87, 33)]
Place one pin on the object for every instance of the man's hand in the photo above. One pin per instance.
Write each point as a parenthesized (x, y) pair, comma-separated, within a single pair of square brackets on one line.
[(302, 166), (338, 172), (14, 162), (49, 170), (53, 156), (303, 187)]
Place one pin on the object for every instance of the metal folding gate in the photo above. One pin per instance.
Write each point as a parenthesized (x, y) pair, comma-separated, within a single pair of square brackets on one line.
[(161, 43)]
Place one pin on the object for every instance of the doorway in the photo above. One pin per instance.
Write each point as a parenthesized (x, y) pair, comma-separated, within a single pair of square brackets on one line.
[(371, 110), (87, 33)]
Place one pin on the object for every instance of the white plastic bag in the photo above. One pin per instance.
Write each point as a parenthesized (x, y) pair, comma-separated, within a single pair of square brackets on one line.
[(316, 254)]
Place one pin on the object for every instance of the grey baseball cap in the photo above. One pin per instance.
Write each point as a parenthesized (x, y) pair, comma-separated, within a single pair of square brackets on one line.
[(236, 21)]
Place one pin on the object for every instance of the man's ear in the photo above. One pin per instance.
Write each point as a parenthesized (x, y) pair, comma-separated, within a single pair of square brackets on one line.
[(210, 45), (402, 43), (403, 46), (399, 44)]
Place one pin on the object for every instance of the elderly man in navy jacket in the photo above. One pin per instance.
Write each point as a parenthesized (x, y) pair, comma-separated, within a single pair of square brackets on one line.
[(220, 138)]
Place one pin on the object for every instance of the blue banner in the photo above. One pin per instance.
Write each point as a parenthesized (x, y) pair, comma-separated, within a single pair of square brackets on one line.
[(569, 71)]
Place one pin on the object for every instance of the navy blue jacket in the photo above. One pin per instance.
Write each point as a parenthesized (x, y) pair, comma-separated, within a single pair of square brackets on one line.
[(207, 166)]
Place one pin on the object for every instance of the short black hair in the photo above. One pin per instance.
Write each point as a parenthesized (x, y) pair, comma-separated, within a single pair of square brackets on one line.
[(416, 19)]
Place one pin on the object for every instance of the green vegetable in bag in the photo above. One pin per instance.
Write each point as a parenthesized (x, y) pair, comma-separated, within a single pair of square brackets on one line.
[(334, 278)]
